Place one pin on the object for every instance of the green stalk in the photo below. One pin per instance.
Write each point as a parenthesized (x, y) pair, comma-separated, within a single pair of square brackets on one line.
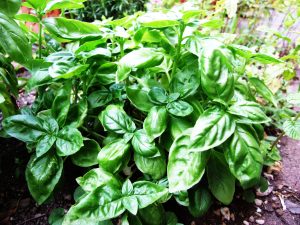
[(40, 16), (178, 49)]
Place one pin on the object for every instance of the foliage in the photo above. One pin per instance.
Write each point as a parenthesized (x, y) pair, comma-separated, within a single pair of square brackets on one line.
[(154, 107)]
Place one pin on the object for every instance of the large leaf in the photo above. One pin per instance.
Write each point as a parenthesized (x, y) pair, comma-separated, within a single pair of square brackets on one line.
[(263, 90), (13, 41), (114, 156), (244, 157), (212, 128), (42, 175), (200, 201), (220, 180), (69, 29), (156, 122), (96, 178), (292, 128), (143, 145), (107, 202), (138, 59), (64, 4), (138, 96), (10, 7), (185, 168), (69, 141), (248, 112), (114, 119)]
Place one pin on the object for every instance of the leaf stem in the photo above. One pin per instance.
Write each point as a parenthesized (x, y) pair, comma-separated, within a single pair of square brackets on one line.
[(40, 16)]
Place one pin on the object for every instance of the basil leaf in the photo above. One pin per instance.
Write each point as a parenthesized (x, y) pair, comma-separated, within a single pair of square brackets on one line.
[(143, 145), (156, 122), (96, 178), (69, 29), (10, 7), (292, 129), (180, 108), (154, 167), (153, 215), (138, 59), (99, 98), (61, 104), (114, 119), (220, 180), (157, 20), (185, 168), (212, 128), (244, 157), (114, 156), (87, 155), (248, 112), (200, 201), (138, 96), (158, 95), (69, 141), (13, 41), (42, 175), (77, 114), (263, 90), (64, 4)]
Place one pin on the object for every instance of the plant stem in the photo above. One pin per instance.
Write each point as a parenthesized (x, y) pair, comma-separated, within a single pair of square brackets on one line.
[(178, 50), (40, 16)]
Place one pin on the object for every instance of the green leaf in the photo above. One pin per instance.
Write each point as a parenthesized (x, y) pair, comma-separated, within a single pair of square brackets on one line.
[(114, 156), (138, 59), (13, 41), (44, 144), (61, 104), (57, 216), (212, 128), (77, 114), (263, 90), (87, 155), (157, 20), (153, 215), (64, 4), (154, 167), (244, 157), (185, 168), (248, 112), (10, 7), (294, 99), (69, 29), (156, 122), (158, 95), (96, 178), (37, 4), (114, 119), (138, 96), (66, 69), (180, 108), (106, 202), (26, 128), (99, 98), (200, 201), (220, 180), (292, 128), (69, 141), (42, 175), (143, 145), (27, 18)]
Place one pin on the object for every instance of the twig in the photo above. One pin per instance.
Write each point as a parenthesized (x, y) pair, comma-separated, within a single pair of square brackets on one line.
[(34, 218)]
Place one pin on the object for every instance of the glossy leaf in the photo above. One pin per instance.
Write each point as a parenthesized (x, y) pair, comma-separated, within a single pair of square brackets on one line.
[(10, 7), (212, 128), (69, 141), (138, 96), (99, 98), (200, 201), (114, 156), (42, 175), (143, 145), (185, 167), (244, 157), (220, 180), (158, 95), (180, 108), (248, 112), (114, 119), (292, 129), (156, 122)]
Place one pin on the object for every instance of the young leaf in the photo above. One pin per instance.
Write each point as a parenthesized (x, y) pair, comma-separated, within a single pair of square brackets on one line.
[(138, 96), (292, 128), (99, 98), (263, 90), (42, 175), (185, 168), (220, 180), (244, 157), (156, 122), (114, 156), (114, 119), (200, 201), (180, 108), (248, 112), (158, 95), (212, 128)]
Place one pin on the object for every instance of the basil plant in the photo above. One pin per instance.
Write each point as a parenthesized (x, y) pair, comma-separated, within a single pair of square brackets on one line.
[(153, 109)]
